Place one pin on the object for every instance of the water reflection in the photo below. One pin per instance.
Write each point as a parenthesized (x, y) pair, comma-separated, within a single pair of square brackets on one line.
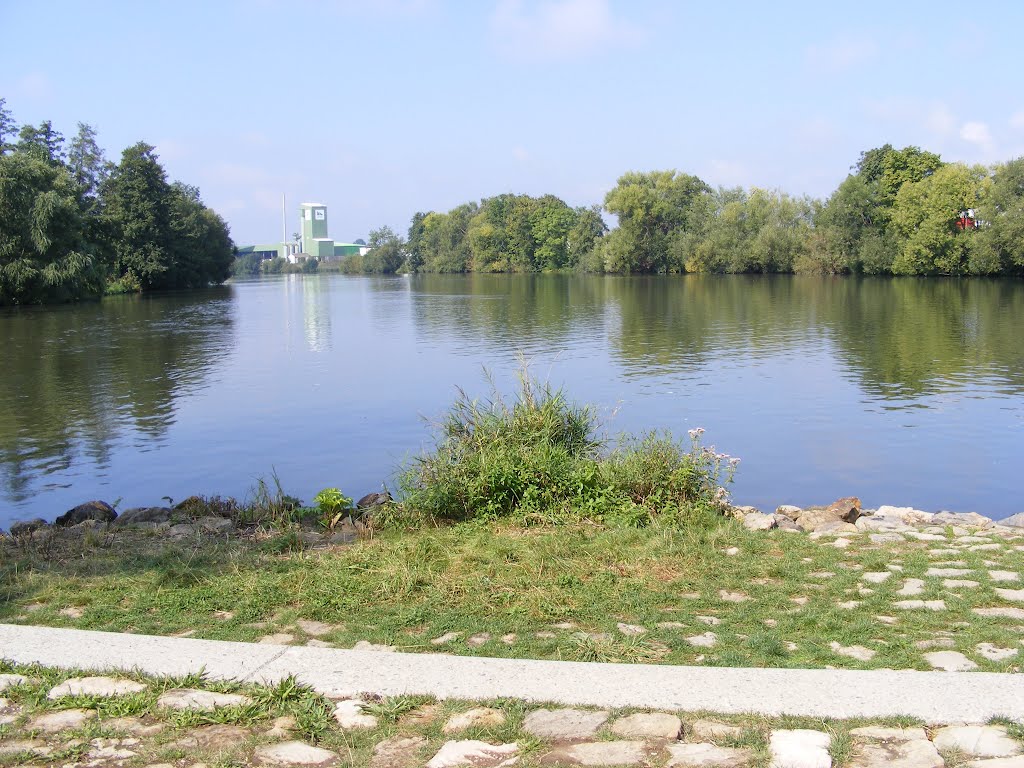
[(77, 380)]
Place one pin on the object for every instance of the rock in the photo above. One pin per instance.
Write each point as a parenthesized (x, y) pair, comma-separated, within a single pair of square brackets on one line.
[(935, 642), (1001, 613), (600, 753), (215, 524), (994, 653), (670, 625), (213, 738), (732, 597), (95, 686), (192, 698), (314, 643), (631, 630), (820, 519), (858, 652), (295, 753), (977, 740), (478, 754), (732, 551), (649, 725), (371, 500), (789, 510), (478, 640), (784, 523), (315, 628), (882, 733), (1013, 521), (911, 605), (799, 748), (923, 536), (9, 711), (181, 531), (1016, 595), (144, 515), (706, 640), (960, 583), (133, 726), (9, 681), (72, 612), (902, 753), (398, 752), (898, 516), (1004, 575), (365, 645), (112, 749), (876, 577), (282, 727), (446, 638), (756, 521), (972, 519), (711, 730), (62, 720), (911, 587), (848, 605), (949, 661), (481, 717), (350, 715), (564, 724), (91, 510), (948, 572), (707, 756), (21, 528), (712, 621), (33, 747)]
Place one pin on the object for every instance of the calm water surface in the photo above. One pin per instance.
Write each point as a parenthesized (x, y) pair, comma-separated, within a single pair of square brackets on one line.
[(900, 391)]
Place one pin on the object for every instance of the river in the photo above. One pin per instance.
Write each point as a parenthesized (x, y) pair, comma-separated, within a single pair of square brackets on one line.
[(900, 391)]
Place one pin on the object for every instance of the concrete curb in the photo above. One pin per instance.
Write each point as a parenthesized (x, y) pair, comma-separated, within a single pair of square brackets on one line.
[(935, 697)]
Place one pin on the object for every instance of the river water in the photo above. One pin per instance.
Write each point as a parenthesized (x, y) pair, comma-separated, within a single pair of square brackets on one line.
[(901, 391)]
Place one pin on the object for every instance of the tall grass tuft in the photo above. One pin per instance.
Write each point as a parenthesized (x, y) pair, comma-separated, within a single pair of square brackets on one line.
[(539, 459)]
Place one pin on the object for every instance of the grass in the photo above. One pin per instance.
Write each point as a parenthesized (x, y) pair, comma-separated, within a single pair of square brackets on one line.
[(311, 713), (406, 588)]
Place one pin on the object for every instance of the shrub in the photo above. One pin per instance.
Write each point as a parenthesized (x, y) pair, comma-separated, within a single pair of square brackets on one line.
[(539, 459)]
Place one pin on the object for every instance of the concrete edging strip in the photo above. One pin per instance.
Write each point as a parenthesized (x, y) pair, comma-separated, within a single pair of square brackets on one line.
[(935, 697)]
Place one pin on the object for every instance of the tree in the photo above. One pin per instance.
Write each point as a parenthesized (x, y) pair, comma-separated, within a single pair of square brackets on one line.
[(386, 254), (651, 207), (44, 143), (588, 228), (87, 163), (136, 203), (925, 214), (998, 244), (7, 127), (43, 254), (201, 248)]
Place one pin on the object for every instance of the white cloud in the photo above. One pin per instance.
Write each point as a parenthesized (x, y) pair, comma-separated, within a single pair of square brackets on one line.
[(841, 55), (977, 133), (554, 29)]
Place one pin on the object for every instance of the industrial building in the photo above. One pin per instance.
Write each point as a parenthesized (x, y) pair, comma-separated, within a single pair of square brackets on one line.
[(313, 241)]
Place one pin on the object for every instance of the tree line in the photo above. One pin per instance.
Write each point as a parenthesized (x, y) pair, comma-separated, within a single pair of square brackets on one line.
[(899, 212), (74, 225)]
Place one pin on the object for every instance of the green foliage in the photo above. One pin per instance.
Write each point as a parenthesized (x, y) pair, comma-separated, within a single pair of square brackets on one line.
[(333, 505), (246, 265), (72, 226), (386, 254), (538, 459)]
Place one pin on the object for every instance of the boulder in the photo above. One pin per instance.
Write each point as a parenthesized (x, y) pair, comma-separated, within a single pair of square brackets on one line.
[(91, 510), (479, 754), (27, 527), (371, 500), (1014, 521), (140, 515), (832, 517), (972, 519), (756, 521), (564, 724), (789, 510)]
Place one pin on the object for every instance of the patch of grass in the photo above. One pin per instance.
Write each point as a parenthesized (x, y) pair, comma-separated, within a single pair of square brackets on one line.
[(539, 460)]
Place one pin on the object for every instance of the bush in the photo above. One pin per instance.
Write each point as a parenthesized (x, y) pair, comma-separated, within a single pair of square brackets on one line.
[(540, 460)]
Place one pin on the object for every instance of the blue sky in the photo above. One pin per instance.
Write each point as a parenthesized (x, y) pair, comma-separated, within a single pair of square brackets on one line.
[(380, 109)]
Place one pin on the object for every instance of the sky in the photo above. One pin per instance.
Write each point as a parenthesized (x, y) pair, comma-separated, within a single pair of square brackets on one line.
[(381, 109)]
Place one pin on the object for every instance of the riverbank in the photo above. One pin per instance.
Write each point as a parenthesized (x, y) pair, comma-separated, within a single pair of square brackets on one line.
[(894, 588)]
